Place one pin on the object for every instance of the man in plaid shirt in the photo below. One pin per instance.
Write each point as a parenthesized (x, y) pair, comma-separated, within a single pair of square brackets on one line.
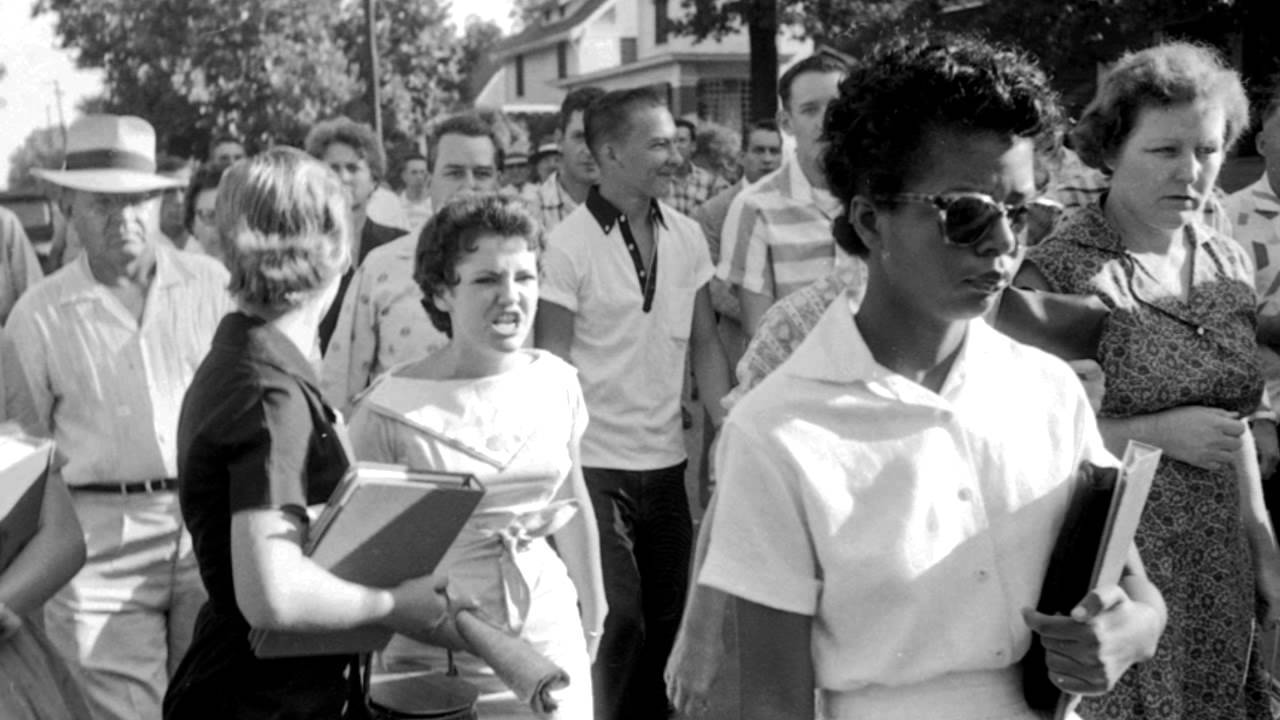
[(692, 185), (563, 190)]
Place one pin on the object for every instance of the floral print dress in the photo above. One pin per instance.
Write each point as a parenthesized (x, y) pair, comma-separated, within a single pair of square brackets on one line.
[(1160, 352)]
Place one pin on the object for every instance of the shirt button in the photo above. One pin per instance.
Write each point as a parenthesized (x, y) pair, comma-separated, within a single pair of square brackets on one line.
[(982, 575), (999, 653), (965, 494)]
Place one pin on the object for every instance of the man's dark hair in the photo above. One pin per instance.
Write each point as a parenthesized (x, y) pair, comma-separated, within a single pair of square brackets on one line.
[(466, 125), (578, 100), (821, 63), (904, 90), (609, 117), (206, 177), (689, 125), (761, 125)]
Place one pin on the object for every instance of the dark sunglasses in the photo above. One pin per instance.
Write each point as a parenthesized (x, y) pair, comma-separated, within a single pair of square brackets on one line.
[(965, 218)]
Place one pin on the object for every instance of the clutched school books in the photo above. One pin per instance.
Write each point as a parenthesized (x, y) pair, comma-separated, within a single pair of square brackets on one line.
[(384, 524), (1091, 550), (24, 470)]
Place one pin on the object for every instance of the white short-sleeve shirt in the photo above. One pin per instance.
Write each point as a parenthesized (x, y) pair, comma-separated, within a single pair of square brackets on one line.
[(630, 358), (912, 526)]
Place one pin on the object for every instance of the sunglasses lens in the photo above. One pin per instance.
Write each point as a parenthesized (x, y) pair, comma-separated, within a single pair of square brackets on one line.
[(969, 217)]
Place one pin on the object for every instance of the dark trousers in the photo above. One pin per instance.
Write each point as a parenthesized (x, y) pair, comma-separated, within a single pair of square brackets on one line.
[(646, 536)]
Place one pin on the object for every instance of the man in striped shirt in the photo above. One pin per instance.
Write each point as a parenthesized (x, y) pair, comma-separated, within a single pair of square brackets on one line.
[(777, 236)]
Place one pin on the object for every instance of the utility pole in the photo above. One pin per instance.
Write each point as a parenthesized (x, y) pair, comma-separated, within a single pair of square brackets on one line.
[(762, 39), (375, 85), (62, 122)]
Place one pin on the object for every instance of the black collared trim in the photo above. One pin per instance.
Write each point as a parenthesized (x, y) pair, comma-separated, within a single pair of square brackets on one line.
[(607, 215)]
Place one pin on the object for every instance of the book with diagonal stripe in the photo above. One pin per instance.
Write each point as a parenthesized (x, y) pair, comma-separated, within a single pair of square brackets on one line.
[(1090, 552), (383, 525), (24, 470)]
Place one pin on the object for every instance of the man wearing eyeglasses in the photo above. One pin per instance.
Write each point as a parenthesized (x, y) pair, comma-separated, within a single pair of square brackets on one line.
[(107, 346), (777, 235)]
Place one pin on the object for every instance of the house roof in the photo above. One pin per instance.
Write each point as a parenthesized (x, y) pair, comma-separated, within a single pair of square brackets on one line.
[(536, 36)]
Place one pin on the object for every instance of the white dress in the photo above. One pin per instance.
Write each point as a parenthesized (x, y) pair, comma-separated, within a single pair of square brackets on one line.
[(513, 432)]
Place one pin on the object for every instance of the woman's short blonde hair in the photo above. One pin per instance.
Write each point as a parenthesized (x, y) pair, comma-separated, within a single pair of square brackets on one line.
[(283, 226), (1177, 73)]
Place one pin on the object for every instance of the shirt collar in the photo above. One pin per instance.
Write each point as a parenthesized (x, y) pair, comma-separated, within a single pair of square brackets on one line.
[(607, 214), (260, 342), (836, 352), (804, 192), (168, 273), (799, 184), (1092, 229)]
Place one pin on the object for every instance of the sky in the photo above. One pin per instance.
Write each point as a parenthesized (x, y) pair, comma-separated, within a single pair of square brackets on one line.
[(35, 63)]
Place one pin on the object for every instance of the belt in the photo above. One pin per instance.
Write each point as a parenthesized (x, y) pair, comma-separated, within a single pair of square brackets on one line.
[(130, 488)]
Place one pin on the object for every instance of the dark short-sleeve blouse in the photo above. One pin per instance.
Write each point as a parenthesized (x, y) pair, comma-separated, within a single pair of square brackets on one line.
[(254, 432)]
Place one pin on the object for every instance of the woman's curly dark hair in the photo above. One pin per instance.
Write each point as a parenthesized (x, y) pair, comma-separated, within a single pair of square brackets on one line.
[(908, 87), (454, 231)]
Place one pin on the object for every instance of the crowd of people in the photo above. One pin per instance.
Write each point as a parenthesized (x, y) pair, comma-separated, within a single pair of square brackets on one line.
[(906, 327)]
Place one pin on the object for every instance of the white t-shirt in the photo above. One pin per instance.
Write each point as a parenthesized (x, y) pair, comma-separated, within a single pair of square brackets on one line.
[(912, 526), (630, 361)]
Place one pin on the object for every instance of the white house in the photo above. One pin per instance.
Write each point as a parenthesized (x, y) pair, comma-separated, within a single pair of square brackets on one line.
[(617, 44)]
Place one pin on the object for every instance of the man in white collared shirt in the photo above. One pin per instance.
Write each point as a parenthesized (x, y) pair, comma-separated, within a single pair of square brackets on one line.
[(565, 189), (623, 296), (107, 346)]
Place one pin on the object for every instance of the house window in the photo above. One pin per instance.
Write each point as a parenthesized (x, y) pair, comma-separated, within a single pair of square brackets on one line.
[(562, 59), (628, 50), (660, 22), (519, 76)]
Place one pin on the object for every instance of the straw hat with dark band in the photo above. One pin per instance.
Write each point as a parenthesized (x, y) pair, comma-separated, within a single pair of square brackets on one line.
[(113, 154)]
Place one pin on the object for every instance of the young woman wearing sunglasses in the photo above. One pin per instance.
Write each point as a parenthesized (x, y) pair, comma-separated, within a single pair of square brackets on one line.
[(890, 496)]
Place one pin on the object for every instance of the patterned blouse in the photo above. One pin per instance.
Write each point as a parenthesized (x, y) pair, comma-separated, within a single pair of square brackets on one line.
[(788, 322)]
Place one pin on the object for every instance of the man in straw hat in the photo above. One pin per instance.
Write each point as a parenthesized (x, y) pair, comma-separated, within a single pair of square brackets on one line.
[(107, 346)]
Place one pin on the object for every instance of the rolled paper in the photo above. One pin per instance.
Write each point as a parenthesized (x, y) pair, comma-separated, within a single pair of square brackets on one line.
[(529, 674)]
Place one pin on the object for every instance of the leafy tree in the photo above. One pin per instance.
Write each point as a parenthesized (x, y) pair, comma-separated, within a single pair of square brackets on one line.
[(527, 13), (716, 18), (267, 70), (1068, 36), (474, 59), (41, 149), (263, 69), (417, 62)]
